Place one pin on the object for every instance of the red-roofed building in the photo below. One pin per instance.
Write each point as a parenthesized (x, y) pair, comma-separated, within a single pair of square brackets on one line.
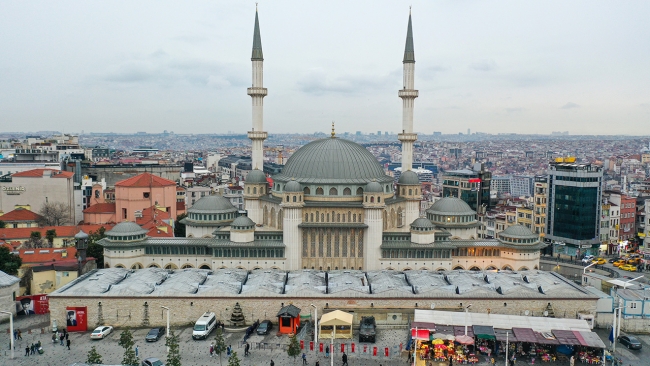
[(64, 234), (134, 194), (20, 217), (158, 221), (31, 189), (100, 213)]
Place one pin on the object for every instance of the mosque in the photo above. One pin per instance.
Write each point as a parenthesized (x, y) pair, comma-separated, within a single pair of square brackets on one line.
[(332, 208)]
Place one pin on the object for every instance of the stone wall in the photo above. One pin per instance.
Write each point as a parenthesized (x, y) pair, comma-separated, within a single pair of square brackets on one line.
[(123, 311)]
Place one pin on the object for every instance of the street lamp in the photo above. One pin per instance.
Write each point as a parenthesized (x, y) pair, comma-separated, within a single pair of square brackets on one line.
[(167, 336), (315, 322), (466, 311), (584, 270), (11, 330)]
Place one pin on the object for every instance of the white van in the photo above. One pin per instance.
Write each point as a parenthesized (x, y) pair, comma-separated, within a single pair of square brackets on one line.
[(204, 326)]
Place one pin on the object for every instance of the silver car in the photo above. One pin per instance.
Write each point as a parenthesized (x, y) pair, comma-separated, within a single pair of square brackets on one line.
[(152, 361)]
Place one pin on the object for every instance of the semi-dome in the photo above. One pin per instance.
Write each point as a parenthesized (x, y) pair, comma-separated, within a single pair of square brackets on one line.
[(242, 223), (333, 161), (451, 206), (256, 176), (373, 187), (292, 186), (422, 223), (124, 230), (518, 232), (212, 204), (409, 177)]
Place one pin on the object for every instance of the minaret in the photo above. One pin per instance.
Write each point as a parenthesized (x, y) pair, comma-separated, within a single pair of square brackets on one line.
[(408, 95), (257, 93)]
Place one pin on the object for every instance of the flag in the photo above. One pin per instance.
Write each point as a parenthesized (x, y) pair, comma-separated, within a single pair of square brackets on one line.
[(611, 335)]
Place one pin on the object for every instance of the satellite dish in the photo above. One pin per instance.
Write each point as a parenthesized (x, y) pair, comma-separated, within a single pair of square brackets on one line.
[(545, 313), (527, 312), (433, 306)]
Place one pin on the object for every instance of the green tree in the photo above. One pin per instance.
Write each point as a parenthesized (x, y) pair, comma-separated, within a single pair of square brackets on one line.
[(9, 263), (179, 229), (233, 360), (219, 344), (35, 241), (126, 342), (50, 235), (174, 354), (294, 348), (95, 250), (94, 358)]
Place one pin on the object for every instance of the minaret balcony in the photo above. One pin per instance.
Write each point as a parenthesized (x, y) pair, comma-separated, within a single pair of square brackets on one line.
[(257, 92), (408, 93), (257, 135), (404, 137)]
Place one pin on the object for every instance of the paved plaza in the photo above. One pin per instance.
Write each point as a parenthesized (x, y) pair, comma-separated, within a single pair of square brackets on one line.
[(264, 348)]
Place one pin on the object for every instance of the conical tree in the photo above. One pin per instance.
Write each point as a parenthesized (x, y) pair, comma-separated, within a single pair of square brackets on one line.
[(94, 358), (237, 317), (219, 344), (294, 348), (174, 355), (233, 360), (126, 342)]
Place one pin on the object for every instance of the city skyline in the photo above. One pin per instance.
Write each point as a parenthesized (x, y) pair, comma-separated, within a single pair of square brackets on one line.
[(495, 68)]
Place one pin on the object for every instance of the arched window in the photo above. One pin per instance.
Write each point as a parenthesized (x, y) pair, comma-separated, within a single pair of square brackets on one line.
[(254, 190), (248, 190), (287, 198), (294, 198), (334, 192), (322, 217), (306, 190), (359, 191), (317, 216), (347, 191), (378, 199), (372, 199), (319, 191), (97, 194), (410, 191)]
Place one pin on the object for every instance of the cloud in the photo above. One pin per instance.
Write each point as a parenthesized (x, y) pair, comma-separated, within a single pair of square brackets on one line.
[(484, 65), (515, 110), (319, 82), (569, 105)]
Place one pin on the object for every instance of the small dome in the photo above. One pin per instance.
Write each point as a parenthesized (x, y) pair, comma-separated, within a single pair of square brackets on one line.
[(451, 206), (518, 232), (256, 176), (242, 222), (422, 223), (292, 186), (409, 177), (126, 228), (212, 204), (81, 235), (373, 187)]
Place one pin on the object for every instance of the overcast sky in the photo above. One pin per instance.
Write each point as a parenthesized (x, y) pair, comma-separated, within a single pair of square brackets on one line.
[(491, 66)]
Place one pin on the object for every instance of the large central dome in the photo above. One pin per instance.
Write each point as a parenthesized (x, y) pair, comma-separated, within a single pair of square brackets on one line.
[(332, 161)]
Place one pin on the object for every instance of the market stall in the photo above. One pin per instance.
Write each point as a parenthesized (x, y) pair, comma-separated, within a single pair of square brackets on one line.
[(486, 339), (336, 324)]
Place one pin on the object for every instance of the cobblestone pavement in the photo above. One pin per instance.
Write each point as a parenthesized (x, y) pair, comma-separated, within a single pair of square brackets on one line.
[(264, 349)]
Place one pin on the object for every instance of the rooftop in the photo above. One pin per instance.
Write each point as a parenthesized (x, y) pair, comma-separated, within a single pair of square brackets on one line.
[(40, 173), (145, 180), (20, 214)]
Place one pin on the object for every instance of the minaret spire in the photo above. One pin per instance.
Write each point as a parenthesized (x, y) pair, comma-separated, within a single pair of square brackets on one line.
[(408, 95), (257, 92)]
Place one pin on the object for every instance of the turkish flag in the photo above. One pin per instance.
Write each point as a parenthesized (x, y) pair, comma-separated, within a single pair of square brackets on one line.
[(302, 344), (352, 347), (386, 351), (311, 346), (374, 351), (320, 347)]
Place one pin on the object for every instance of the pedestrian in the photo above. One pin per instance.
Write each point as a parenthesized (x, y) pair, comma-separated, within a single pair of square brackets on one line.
[(20, 335), (67, 335), (571, 361), (15, 334), (345, 359), (61, 338), (137, 350), (27, 351), (492, 361), (228, 350), (211, 349), (246, 347), (32, 349), (53, 337), (304, 359), (68, 344), (327, 351), (451, 361), (318, 363), (272, 363)]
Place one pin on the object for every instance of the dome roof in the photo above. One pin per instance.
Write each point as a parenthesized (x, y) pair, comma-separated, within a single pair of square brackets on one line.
[(333, 161), (243, 221), (422, 223), (126, 228), (518, 232), (81, 235), (409, 177), (292, 186), (373, 187), (212, 204), (451, 206), (256, 176)]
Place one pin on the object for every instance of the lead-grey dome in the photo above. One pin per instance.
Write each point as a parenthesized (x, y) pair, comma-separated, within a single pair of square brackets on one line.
[(125, 229), (422, 223), (409, 177), (81, 235), (450, 206), (256, 176), (518, 232), (333, 161), (212, 204), (242, 223), (373, 187), (292, 186)]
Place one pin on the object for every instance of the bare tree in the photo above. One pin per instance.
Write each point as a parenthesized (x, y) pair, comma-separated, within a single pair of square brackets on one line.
[(54, 214)]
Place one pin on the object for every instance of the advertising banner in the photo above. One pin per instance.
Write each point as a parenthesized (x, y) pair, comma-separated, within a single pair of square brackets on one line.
[(32, 304), (76, 319)]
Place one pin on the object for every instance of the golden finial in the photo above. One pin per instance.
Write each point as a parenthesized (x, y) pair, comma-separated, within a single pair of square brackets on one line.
[(333, 133)]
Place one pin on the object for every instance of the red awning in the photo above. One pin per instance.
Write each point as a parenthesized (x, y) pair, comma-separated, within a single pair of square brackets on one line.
[(421, 334)]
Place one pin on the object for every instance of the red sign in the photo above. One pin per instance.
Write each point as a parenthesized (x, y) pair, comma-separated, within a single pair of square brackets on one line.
[(386, 351), (33, 304), (374, 351), (422, 334), (352, 347), (311, 346), (76, 319), (474, 180), (365, 348), (302, 344)]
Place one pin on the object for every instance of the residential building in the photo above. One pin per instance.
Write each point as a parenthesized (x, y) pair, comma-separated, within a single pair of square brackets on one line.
[(605, 220), (471, 186), (142, 191), (501, 184), (627, 205), (522, 185), (20, 217), (614, 223), (540, 203), (525, 217)]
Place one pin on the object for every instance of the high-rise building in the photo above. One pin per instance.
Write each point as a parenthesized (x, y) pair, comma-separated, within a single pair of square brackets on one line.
[(501, 184), (471, 186), (574, 204), (540, 202), (522, 185)]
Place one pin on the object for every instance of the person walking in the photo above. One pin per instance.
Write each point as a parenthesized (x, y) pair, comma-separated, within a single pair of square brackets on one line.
[(344, 359), (27, 351), (572, 361), (304, 359), (246, 348), (68, 344), (137, 350), (211, 349), (20, 335), (15, 334), (318, 363), (451, 361), (272, 363), (61, 338), (228, 350), (53, 337)]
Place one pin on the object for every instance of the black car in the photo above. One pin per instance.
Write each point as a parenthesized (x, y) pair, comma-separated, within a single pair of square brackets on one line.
[(367, 329), (264, 327), (614, 259), (155, 334), (630, 342)]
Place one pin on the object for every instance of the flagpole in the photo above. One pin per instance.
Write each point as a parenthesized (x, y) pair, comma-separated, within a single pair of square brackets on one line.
[(415, 345), (507, 348)]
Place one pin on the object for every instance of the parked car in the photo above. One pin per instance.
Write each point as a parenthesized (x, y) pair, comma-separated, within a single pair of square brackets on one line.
[(367, 329), (155, 334), (152, 361), (101, 332), (628, 267), (264, 327), (630, 342)]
